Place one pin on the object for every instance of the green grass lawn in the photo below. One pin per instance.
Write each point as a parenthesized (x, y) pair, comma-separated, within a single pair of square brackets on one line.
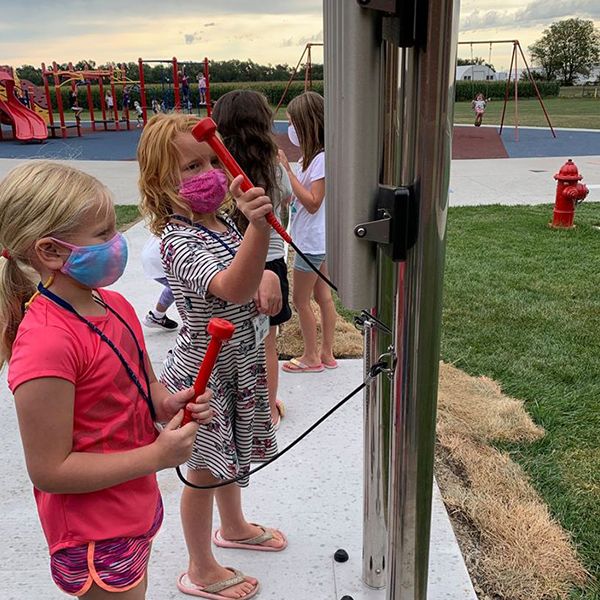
[(563, 112), (126, 216), (522, 305)]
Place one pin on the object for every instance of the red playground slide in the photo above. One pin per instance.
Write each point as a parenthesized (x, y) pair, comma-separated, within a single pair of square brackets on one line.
[(27, 124)]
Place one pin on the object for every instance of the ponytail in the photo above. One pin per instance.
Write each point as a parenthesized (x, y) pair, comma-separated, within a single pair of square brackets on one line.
[(16, 287)]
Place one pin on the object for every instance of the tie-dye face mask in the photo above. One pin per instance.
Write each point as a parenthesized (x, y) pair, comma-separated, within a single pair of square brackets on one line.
[(98, 265)]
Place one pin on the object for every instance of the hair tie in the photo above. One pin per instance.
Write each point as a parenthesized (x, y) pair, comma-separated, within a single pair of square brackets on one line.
[(6, 254)]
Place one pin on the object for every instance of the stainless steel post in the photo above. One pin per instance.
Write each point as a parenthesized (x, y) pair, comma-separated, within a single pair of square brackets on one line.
[(353, 129), (427, 85)]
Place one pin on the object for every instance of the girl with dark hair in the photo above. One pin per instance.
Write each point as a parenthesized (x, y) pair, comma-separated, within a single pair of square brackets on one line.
[(245, 121)]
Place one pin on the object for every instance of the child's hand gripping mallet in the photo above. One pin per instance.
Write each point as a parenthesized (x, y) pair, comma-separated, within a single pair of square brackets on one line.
[(206, 131), (220, 331)]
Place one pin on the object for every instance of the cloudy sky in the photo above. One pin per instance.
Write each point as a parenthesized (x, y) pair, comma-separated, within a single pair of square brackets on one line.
[(266, 31)]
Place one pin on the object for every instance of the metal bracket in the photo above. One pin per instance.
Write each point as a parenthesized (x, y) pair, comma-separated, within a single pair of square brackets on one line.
[(396, 228), (403, 22)]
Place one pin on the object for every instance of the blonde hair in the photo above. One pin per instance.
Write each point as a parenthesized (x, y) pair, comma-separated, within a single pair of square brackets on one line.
[(159, 169), (37, 199)]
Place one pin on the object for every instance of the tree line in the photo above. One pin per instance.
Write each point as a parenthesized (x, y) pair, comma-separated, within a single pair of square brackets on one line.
[(162, 73)]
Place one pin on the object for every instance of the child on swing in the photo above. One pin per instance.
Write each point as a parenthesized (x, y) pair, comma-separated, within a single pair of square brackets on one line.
[(478, 105)]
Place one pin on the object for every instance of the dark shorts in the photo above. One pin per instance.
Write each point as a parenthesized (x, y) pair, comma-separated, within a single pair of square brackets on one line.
[(279, 267)]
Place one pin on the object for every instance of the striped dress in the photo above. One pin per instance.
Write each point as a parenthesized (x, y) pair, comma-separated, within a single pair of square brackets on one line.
[(241, 430)]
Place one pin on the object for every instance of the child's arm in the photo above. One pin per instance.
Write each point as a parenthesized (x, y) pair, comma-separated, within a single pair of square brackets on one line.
[(239, 281), (45, 408), (268, 296), (311, 199), (167, 405)]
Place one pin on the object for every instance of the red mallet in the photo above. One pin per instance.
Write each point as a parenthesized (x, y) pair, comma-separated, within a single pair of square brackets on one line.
[(206, 131), (219, 331)]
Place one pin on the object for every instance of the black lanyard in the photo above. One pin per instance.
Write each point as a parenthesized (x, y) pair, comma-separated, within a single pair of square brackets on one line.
[(64, 304), (212, 234)]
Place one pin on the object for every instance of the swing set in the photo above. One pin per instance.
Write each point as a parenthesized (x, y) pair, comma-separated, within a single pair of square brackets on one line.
[(307, 72), (513, 61)]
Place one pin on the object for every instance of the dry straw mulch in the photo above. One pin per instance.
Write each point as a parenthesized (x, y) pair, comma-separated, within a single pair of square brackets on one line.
[(514, 549)]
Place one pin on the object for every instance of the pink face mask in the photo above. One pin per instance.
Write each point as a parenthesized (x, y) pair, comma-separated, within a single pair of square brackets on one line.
[(206, 191)]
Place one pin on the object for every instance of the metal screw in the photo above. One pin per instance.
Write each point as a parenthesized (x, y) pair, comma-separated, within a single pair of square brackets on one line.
[(360, 232)]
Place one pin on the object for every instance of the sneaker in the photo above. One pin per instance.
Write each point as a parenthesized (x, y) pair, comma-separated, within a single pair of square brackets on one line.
[(165, 323)]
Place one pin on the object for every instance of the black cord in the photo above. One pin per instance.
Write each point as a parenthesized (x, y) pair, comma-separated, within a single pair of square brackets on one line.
[(317, 271), (377, 368)]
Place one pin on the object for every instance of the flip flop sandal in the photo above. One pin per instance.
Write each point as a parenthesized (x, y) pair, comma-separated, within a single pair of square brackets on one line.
[(297, 366), (255, 543), (211, 592), (280, 407), (331, 365)]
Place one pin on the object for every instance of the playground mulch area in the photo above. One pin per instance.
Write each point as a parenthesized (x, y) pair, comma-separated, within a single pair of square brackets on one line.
[(477, 142)]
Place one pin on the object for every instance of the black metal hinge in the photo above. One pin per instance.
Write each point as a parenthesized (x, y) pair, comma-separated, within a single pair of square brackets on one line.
[(397, 224)]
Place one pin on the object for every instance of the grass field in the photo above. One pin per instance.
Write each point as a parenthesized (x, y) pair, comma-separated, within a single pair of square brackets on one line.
[(522, 306), (127, 215), (563, 112)]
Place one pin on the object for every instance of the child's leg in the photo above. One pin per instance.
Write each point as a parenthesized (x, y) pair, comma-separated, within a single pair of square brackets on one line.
[(234, 526), (166, 296), (304, 285), (136, 593), (328, 316), (196, 519), (272, 371)]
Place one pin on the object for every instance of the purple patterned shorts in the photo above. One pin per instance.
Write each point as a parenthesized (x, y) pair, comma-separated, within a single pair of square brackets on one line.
[(115, 565)]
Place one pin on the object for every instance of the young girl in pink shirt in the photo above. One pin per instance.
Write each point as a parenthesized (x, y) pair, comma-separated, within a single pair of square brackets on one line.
[(85, 393)]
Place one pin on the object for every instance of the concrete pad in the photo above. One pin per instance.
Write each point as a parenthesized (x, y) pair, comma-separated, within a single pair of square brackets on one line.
[(314, 494), (516, 181)]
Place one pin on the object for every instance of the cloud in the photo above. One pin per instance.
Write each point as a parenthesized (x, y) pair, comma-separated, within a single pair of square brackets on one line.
[(538, 12), (302, 41), (190, 38)]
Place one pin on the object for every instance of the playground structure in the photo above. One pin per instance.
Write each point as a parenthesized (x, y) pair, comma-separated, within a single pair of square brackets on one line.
[(307, 72), (29, 110), (114, 76), (513, 61), (180, 93), (18, 107)]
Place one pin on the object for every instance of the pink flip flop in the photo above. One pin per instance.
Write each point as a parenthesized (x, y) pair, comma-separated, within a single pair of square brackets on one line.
[(255, 543), (211, 592), (331, 365), (297, 366)]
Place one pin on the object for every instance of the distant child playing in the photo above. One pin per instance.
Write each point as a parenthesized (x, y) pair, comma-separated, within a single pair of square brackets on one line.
[(245, 120), (306, 129), (478, 106), (213, 272), (85, 393)]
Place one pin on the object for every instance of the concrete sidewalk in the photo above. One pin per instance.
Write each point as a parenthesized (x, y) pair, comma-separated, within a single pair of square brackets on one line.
[(314, 494), (472, 182)]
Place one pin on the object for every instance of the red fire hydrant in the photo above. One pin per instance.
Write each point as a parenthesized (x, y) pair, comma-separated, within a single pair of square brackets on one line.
[(569, 193)]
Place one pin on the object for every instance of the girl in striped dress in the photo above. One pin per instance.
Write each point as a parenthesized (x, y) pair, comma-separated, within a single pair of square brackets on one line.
[(213, 272)]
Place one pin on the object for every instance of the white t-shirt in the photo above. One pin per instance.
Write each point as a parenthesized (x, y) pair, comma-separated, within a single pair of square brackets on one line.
[(151, 260), (308, 231), (276, 243)]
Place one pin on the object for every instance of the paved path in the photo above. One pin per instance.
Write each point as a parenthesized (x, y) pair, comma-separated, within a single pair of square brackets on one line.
[(472, 182), (314, 493)]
